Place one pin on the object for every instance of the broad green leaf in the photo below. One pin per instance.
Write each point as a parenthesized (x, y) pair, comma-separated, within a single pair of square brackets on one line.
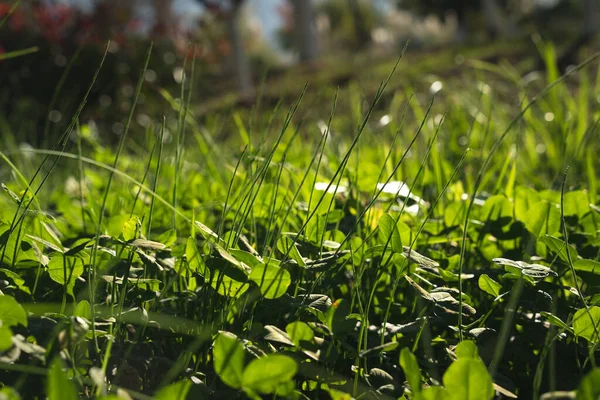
[(227, 286), (587, 325), (232, 260), (265, 374), (246, 257), (195, 262), (228, 354), (26, 256), (410, 366), (495, 208), (554, 320), (300, 331), (589, 387), (130, 228), (576, 203), (147, 244), (65, 270), (468, 379), (454, 214), (467, 349), (434, 393), (17, 280), (11, 194), (168, 238), (542, 218), (175, 391), (208, 233), (389, 234), (525, 197), (585, 265), (11, 312), (559, 247), (338, 395), (489, 285), (287, 246), (59, 385), (84, 310), (315, 229), (8, 393), (272, 280), (5, 339)]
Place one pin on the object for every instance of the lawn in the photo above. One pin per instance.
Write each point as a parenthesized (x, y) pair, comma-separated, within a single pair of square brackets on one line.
[(430, 229)]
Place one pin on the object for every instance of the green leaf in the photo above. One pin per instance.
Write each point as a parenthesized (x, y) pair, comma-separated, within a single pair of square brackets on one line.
[(195, 262), (495, 208), (65, 270), (175, 391), (587, 325), (389, 234), (542, 218), (299, 331), (554, 320), (265, 374), (12, 194), (489, 285), (208, 233), (410, 366), (338, 395), (576, 203), (168, 238), (5, 339), (558, 247), (287, 246), (272, 280), (8, 393), (315, 229), (467, 349), (434, 393), (468, 379), (589, 387), (59, 385), (16, 278), (227, 256), (84, 310), (585, 265), (227, 285), (130, 228), (11, 312), (228, 354)]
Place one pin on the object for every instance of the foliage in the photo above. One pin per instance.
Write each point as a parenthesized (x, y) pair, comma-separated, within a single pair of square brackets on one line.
[(400, 243)]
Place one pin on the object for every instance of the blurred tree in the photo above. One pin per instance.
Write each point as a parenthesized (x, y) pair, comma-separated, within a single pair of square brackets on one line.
[(494, 11), (305, 29), (361, 30), (350, 22), (590, 25), (230, 12)]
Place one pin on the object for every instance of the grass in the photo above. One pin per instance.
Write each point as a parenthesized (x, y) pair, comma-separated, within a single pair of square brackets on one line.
[(435, 243)]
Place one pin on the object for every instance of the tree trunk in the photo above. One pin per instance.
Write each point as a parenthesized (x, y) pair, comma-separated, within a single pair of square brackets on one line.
[(164, 24), (462, 33), (590, 21), (362, 34), (306, 30), (497, 24), (241, 66)]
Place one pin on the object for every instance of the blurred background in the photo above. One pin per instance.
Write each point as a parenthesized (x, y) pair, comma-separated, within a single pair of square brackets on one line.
[(243, 48)]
